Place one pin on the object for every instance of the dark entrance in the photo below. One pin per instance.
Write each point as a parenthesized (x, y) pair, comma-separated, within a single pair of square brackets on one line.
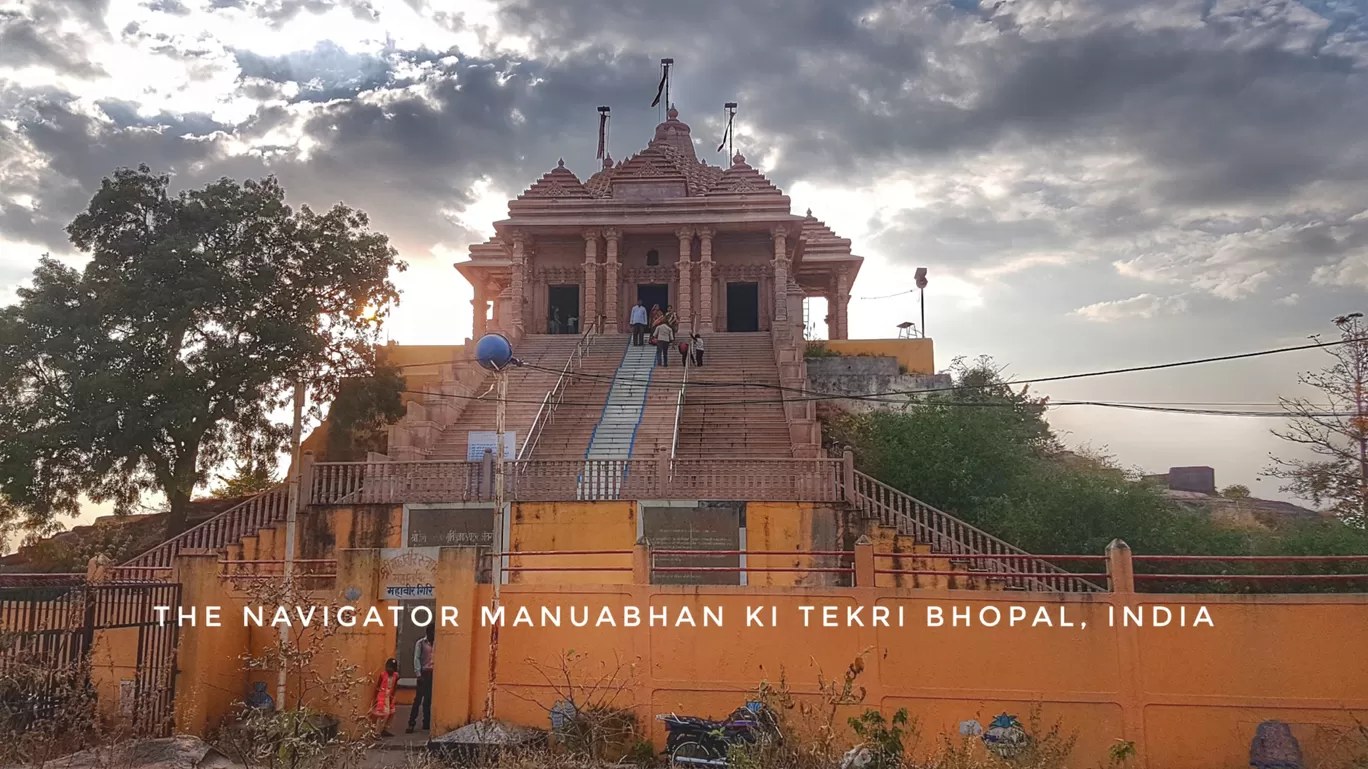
[(50, 625), (743, 306), (654, 294), (562, 309)]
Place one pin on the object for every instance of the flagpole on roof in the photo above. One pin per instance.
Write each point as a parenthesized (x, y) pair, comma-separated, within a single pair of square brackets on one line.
[(604, 113), (730, 107), (664, 87)]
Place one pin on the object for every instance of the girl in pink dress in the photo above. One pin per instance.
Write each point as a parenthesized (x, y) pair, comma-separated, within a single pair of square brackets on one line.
[(383, 711)]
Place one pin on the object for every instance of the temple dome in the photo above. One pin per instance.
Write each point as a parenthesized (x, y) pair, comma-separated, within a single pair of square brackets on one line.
[(675, 133)]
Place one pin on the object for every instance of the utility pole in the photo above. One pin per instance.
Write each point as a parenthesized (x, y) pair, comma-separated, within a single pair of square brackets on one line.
[(500, 424), (291, 525)]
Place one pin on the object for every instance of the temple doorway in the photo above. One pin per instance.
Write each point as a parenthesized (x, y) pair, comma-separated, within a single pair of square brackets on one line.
[(562, 309), (654, 294), (743, 306)]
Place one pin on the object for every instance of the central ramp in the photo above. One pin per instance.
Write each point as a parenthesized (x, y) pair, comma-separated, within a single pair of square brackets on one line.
[(616, 431)]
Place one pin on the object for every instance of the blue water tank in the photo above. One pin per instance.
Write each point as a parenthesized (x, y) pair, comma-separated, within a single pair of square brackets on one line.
[(494, 351)]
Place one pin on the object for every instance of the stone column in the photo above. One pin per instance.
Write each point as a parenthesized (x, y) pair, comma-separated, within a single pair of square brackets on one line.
[(842, 298), (611, 289), (517, 289), (705, 279), (781, 265), (685, 235), (480, 311), (590, 313)]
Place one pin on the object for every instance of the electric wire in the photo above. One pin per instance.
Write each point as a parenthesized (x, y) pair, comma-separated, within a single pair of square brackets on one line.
[(807, 395)]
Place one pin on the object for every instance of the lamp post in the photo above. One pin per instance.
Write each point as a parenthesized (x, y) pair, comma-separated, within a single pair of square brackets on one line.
[(921, 289), (495, 353)]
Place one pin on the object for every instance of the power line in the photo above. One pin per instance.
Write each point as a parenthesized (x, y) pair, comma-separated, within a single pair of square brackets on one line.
[(807, 395), (911, 404)]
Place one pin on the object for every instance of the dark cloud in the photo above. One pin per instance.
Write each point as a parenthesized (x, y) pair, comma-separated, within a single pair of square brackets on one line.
[(325, 73), (36, 40)]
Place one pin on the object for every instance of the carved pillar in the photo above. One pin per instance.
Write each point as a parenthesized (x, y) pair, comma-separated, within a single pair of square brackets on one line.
[(590, 313), (611, 289), (480, 312), (705, 279), (842, 298), (781, 279), (518, 270), (685, 235)]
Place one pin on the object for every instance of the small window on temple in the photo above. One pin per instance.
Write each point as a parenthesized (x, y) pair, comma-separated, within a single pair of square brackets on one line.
[(653, 258)]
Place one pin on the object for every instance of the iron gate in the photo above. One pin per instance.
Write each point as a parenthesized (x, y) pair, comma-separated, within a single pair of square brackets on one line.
[(51, 629)]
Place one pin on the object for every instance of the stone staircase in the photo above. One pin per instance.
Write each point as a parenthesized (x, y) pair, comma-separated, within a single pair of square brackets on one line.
[(616, 432), (720, 418), (571, 427), (527, 386)]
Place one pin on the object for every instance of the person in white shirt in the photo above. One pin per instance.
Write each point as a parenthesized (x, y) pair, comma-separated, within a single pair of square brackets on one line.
[(663, 337), (638, 321), (696, 347)]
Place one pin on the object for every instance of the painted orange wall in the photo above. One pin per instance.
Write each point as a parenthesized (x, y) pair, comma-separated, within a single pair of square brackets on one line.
[(421, 377), (546, 526), (1190, 698), (918, 355)]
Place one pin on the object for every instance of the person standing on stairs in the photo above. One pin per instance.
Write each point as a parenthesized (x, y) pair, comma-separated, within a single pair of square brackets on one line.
[(663, 337), (672, 318), (696, 345), (638, 321), (657, 317)]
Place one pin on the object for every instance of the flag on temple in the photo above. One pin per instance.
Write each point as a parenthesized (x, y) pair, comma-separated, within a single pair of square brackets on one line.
[(660, 89), (603, 132), (727, 133)]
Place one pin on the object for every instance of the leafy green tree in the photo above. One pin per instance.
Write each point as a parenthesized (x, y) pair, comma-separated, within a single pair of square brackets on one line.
[(176, 346), (364, 406), (1236, 491)]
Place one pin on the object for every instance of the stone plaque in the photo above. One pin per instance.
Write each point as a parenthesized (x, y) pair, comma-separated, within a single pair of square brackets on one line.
[(706, 526), (478, 442), (450, 526)]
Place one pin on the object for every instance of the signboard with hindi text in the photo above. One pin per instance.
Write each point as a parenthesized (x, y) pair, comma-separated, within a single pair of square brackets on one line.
[(452, 526), (699, 526), (408, 572), (478, 442)]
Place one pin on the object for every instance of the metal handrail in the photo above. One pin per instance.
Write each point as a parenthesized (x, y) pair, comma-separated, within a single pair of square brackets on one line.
[(679, 401), (557, 393)]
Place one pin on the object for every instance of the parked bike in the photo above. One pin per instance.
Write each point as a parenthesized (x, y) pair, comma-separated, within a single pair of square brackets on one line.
[(703, 742)]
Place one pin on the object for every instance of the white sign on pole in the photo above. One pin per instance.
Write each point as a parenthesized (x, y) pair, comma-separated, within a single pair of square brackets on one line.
[(478, 442)]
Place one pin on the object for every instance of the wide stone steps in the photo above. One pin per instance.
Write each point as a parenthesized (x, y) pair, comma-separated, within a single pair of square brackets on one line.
[(527, 387), (731, 407)]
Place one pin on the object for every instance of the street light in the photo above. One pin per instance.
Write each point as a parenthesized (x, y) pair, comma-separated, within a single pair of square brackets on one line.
[(921, 288), (495, 353)]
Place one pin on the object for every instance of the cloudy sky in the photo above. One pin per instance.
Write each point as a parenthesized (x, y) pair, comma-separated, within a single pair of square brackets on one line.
[(1091, 184)]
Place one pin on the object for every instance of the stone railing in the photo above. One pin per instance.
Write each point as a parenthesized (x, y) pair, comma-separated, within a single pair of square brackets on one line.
[(779, 480), (261, 511), (950, 536)]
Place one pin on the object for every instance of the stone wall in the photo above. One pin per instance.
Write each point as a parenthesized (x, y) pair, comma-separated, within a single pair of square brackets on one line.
[(860, 376)]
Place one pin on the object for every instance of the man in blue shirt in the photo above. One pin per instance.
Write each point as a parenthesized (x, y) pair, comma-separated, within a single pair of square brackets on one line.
[(638, 321)]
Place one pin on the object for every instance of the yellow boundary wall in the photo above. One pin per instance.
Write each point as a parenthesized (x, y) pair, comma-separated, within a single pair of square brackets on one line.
[(1188, 697)]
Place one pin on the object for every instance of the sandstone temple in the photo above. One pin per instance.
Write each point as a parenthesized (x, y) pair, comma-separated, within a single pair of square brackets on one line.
[(706, 489)]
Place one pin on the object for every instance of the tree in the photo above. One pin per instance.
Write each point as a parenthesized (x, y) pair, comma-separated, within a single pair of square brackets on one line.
[(1236, 491), (1335, 432), (180, 340)]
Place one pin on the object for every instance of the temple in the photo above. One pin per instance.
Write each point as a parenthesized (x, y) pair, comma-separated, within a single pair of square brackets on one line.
[(721, 245)]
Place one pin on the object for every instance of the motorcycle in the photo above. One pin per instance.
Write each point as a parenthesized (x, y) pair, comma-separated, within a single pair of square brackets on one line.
[(703, 742)]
